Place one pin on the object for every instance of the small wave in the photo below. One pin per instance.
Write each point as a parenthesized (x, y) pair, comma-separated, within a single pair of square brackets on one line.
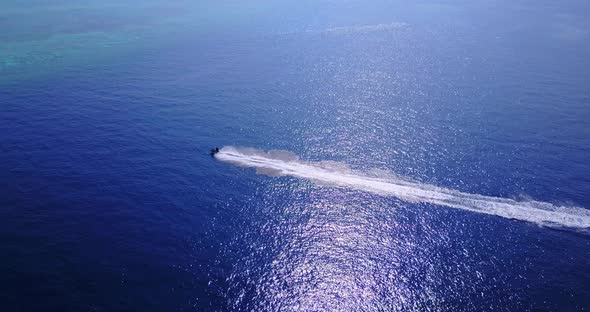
[(350, 30), (366, 28), (284, 163)]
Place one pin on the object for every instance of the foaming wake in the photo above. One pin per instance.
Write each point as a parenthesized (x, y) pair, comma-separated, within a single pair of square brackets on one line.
[(283, 163)]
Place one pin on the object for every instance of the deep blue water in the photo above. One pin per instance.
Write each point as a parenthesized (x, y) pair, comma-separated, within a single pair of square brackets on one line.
[(110, 201)]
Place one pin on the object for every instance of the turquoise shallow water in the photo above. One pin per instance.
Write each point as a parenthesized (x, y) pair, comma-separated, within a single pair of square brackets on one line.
[(111, 202)]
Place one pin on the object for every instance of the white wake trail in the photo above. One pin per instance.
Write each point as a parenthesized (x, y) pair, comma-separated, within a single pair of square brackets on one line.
[(282, 163)]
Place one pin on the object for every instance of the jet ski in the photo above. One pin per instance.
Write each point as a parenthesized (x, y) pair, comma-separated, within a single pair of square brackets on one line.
[(214, 151)]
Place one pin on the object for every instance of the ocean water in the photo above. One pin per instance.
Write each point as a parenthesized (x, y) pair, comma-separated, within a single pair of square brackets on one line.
[(427, 156)]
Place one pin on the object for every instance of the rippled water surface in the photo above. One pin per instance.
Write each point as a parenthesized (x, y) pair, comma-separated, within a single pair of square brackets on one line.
[(442, 156)]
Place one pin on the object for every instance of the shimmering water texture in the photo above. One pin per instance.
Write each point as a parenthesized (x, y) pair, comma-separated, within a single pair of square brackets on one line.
[(443, 155), (285, 163)]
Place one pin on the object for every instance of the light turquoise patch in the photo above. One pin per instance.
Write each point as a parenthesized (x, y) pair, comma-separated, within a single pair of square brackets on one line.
[(9, 62)]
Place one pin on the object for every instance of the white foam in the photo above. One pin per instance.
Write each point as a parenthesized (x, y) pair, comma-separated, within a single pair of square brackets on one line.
[(282, 163)]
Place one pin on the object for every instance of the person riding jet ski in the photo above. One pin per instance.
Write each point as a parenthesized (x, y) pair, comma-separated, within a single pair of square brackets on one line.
[(214, 151)]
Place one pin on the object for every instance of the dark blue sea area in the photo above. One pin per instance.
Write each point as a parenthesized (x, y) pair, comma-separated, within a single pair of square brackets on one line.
[(111, 201)]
